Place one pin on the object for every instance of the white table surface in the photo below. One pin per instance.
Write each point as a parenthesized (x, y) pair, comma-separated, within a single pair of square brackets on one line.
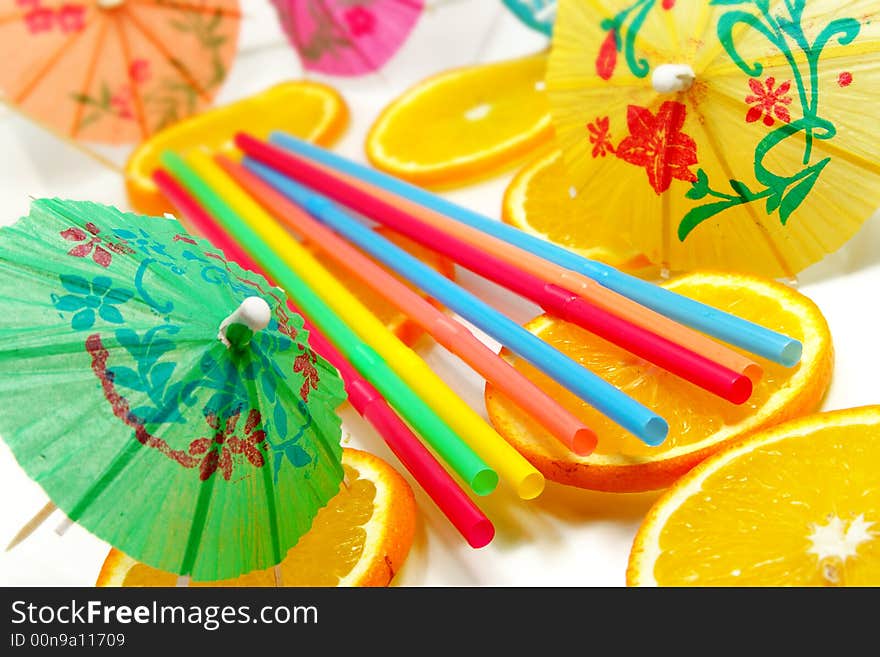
[(566, 537)]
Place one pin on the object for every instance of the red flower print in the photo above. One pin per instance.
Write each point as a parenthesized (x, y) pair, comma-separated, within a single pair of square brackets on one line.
[(658, 144), (252, 438), (121, 102), (600, 137), (218, 450), (305, 363), (768, 102), (607, 59), (71, 18), (845, 79), (668, 4), (284, 322), (139, 71), (184, 238), (360, 21), (39, 19), (92, 244)]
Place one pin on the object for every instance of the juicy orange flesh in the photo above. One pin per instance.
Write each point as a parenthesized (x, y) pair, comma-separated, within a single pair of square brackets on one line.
[(693, 414), (467, 113), (387, 313), (327, 553), (550, 211), (304, 111), (756, 514)]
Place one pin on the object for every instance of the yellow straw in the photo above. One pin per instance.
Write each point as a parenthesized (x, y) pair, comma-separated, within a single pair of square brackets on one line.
[(484, 440)]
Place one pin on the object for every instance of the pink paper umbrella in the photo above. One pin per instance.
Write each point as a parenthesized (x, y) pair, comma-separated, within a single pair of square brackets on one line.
[(347, 37)]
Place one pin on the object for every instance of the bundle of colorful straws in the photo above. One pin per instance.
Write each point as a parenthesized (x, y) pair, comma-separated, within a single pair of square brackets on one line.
[(247, 210)]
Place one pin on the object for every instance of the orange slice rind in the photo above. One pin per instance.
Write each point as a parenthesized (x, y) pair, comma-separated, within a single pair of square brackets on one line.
[(308, 110), (361, 538), (795, 505), (464, 124), (540, 202), (700, 423)]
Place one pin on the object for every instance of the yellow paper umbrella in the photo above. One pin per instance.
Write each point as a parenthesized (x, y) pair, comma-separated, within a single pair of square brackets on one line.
[(735, 134)]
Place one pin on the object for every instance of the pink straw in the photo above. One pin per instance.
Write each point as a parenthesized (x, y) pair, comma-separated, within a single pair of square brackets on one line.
[(671, 356), (565, 426), (461, 511)]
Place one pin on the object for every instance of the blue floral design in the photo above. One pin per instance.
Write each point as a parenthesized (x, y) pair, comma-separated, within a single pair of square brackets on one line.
[(290, 448), (228, 378), (153, 376), (149, 247), (228, 383), (91, 300), (271, 342), (143, 242)]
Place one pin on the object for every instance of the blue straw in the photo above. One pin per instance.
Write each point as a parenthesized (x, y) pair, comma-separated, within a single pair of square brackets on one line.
[(724, 326), (622, 409)]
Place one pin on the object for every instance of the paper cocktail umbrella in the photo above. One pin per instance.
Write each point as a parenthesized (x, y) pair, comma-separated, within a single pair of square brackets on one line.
[(114, 71), (340, 37), (537, 14), (734, 135), (162, 397)]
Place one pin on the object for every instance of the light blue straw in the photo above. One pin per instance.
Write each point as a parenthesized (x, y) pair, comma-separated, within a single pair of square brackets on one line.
[(622, 409), (724, 326)]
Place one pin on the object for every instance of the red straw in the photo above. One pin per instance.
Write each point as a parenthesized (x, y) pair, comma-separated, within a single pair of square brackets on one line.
[(461, 511), (677, 359), (565, 426)]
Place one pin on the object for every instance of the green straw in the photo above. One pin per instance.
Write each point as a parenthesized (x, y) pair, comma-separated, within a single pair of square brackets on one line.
[(448, 445)]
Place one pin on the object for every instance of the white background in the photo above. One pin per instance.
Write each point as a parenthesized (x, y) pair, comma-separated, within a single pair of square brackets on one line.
[(566, 537)]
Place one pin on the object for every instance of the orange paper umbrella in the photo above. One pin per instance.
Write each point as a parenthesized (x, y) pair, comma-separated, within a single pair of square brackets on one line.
[(114, 71)]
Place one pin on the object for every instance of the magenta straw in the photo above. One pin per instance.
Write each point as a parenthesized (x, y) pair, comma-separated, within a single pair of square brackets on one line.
[(446, 494)]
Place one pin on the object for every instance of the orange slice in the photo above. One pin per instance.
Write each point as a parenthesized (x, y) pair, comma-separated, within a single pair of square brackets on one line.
[(463, 124), (699, 423), (361, 538), (797, 505), (538, 201), (402, 326), (308, 110)]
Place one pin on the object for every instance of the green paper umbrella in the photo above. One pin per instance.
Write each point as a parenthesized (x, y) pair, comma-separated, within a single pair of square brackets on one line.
[(161, 396)]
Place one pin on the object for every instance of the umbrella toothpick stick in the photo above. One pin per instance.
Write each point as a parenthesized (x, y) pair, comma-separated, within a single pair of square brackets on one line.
[(31, 525), (63, 526)]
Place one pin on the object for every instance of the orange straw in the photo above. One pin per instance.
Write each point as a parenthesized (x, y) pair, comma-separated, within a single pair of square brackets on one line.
[(581, 285), (449, 333)]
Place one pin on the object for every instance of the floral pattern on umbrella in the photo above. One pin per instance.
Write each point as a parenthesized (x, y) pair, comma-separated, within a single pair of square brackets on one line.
[(658, 144), (775, 101), (347, 37), (114, 72), (131, 343)]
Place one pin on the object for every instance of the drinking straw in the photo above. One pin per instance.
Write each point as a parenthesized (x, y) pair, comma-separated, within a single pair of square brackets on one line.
[(446, 494), (622, 409), (302, 267), (606, 299), (448, 445), (725, 326), (722, 381), (451, 334)]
